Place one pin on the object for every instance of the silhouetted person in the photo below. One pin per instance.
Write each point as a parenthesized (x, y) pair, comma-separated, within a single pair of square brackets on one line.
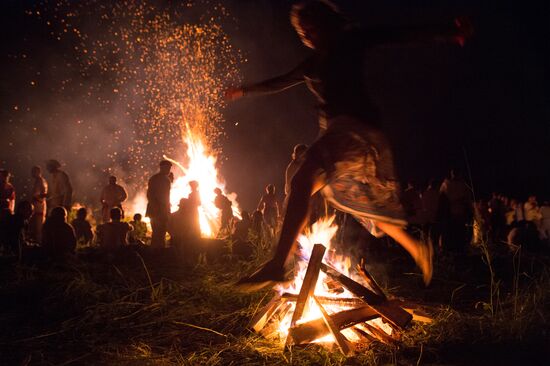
[(298, 155), (412, 204), (112, 196), (430, 204), (113, 235), (497, 218), (60, 188), (545, 221), (270, 208), (58, 237), (351, 161), (456, 234), (158, 204), (38, 199), (7, 191), (17, 227), (82, 228), (183, 234), (194, 204), (531, 210), (224, 205), (139, 233), (242, 227), (258, 224)]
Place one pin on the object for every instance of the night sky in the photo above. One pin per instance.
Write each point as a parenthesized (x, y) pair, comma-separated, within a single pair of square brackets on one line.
[(487, 103)]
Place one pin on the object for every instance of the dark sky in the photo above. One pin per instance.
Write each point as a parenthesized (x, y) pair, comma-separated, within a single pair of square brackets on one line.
[(489, 101)]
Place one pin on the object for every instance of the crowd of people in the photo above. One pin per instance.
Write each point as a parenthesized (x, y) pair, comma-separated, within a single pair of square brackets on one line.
[(444, 214)]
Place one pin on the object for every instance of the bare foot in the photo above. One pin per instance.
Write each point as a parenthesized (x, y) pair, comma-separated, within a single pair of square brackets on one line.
[(268, 274)]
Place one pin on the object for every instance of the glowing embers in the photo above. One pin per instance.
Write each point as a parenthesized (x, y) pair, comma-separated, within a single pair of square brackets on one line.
[(325, 306)]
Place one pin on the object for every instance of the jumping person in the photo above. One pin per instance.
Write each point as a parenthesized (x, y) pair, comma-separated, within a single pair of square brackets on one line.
[(351, 162)]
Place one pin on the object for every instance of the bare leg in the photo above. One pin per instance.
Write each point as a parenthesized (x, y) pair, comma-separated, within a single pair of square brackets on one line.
[(305, 183), (421, 253)]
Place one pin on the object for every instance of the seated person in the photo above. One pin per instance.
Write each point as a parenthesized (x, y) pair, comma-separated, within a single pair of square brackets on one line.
[(16, 229), (139, 234), (58, 237), (81, 226), (114, 234), (181, 226)]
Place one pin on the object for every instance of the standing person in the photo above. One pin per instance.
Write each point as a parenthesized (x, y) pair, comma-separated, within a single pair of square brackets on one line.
[(531, 210), (351, 162), (61, 190), (224, 205), (194, 201), (112, 196), (457, 235), (545, 221), (7, 191), (158, 204), (298, 155), (38, 200), (270, 208), (430, 205)]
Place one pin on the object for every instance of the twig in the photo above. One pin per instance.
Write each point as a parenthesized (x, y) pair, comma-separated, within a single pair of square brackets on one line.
[(201, 328)]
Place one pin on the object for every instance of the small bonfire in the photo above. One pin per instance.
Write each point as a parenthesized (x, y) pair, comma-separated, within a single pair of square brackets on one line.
[(328, 305)]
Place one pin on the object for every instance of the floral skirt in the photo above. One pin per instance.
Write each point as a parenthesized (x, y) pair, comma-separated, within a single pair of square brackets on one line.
[(359, 172)]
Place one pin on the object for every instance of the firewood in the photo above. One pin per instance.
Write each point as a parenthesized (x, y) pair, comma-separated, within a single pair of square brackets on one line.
[(341, 341), (391, 312), (343, 301), (315, 329), (370, 280), (310, 281), (262, 317)]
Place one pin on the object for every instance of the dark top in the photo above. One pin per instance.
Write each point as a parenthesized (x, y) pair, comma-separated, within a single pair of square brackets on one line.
[(335, 76), (158, 196)]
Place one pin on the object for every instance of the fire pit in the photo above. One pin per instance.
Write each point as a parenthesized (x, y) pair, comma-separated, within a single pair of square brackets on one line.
[(328, 307)]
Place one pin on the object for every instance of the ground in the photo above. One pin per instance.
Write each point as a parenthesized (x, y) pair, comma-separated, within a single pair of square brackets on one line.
[(146, 308)]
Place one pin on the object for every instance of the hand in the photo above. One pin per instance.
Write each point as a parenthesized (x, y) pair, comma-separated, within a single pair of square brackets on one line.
[(465, 29), (233, 93)]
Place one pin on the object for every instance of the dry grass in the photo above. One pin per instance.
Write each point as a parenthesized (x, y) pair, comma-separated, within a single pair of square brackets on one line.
[(148, 309)]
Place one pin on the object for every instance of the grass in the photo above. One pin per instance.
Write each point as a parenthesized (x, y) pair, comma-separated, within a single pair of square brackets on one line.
[(148, 309)]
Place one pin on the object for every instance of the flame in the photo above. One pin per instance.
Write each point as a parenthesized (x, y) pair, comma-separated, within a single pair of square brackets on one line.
[(321, 232), (201, 168)]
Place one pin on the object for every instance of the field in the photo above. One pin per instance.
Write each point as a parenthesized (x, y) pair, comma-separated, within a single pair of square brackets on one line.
[(146, 308)]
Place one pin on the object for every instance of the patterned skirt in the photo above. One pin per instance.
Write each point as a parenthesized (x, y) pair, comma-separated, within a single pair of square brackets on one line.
[(359, 173)]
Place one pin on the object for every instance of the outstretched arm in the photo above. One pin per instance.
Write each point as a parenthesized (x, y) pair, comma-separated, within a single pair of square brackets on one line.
[(269, 86), (456, 32)]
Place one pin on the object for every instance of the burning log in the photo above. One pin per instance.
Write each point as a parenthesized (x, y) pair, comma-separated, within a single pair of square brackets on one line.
[(370, 280), (310, 281), (262, 317), (391, 312), (342, 301), (340, 339), (315, 329)]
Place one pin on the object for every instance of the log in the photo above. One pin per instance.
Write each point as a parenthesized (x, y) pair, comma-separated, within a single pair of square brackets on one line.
[(261, 318), (310, 281), (341, 341), (370, 280), (379, 334), (391, 312), (343, 301), (315, 329)]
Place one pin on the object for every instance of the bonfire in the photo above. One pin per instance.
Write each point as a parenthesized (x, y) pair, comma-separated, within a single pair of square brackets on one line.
[(325, 303)]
